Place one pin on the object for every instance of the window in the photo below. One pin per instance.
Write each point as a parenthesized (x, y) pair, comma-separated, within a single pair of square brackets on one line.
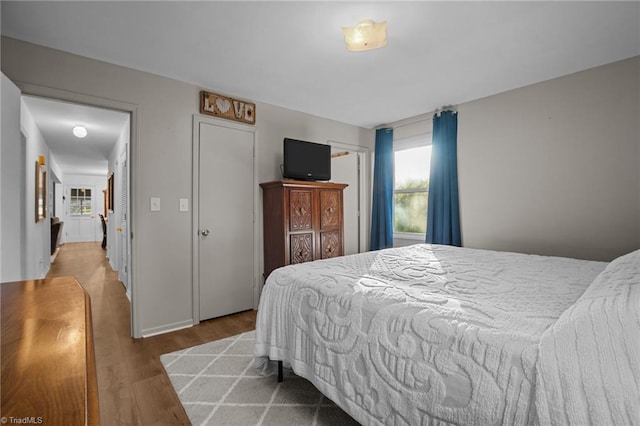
[(412, 160), (80, 202)]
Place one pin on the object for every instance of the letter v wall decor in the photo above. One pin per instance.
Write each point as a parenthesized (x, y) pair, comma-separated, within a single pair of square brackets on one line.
[(226, 107)]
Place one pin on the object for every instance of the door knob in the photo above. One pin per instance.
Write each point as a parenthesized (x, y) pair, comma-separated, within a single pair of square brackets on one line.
[(204, 232)]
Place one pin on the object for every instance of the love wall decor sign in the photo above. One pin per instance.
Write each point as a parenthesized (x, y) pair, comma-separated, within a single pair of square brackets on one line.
[(226, 107)]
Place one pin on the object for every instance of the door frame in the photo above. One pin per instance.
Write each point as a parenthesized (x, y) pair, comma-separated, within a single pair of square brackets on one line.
[(364, 154), (96, 101), (195, 207)]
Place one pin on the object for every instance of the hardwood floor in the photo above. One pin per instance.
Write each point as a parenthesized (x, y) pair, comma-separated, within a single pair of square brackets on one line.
[(133, 387)]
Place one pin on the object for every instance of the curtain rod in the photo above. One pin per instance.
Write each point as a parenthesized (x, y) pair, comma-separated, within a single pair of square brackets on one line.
[(446, 108), (426, 116), (408, 123)]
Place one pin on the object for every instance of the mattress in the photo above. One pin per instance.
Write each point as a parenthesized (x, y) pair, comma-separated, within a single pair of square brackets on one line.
[(420, 335)]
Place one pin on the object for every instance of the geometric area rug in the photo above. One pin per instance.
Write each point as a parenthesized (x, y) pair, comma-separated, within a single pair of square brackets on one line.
[(218, 384)]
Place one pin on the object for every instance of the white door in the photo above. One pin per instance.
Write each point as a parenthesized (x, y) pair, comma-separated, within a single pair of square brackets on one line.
[(121, 222), (82, 221), (225, 219), (344, 169)]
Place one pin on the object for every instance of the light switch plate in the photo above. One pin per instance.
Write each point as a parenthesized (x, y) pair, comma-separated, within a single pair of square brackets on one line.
[(155, 204), (184, 204)]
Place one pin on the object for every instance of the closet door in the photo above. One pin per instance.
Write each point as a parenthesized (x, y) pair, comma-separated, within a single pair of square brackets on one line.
[(225, 228), (122, 228)]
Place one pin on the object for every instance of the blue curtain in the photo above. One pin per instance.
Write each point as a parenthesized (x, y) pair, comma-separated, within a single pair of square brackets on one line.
[(443, 212), (382, 208)]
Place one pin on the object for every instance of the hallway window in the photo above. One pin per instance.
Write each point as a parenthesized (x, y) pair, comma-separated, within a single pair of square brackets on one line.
[(80, 202)]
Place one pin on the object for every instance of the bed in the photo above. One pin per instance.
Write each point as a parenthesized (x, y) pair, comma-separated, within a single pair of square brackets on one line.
[(429, 334)]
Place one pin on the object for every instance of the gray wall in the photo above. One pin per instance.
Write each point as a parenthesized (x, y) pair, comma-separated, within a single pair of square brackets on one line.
[(161, 160), (12, 212), (37, 243), (554, 168)]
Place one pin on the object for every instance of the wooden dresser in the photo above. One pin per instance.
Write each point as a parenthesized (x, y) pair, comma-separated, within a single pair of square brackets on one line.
[(302, 221), (48, 359)]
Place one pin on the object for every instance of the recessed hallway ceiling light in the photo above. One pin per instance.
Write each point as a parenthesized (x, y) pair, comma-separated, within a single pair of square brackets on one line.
[(80, 132)]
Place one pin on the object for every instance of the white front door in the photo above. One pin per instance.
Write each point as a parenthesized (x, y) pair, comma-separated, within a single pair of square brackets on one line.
[(225, 219), (82, 221)]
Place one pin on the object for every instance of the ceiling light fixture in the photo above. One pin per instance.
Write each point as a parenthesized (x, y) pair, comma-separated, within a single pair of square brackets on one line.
[(366, 35), (80, 132)]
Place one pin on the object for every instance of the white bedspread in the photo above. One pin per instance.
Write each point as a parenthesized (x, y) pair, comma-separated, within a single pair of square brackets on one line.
[(588, 371), (420, 335)]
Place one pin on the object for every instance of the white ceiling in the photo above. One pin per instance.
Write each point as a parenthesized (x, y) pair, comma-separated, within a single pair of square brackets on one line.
[(292, 54)]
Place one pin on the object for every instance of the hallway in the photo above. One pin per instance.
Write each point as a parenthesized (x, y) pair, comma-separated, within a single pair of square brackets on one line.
[(133, 387)]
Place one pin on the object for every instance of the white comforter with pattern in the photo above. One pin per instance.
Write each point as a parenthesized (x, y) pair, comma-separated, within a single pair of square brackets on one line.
[(426, 335)]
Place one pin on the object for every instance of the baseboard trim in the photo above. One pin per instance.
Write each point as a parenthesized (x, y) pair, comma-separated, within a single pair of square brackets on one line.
[(154, 331)]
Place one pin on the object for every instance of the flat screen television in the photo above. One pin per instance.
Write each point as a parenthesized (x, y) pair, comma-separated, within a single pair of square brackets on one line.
[(306, 160)]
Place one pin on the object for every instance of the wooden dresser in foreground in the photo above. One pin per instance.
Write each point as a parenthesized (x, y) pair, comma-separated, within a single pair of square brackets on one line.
[(302, 221), (48, 359)]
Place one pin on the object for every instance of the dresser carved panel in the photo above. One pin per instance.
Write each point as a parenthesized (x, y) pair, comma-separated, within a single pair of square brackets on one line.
[(299, 210), (302, 221), (330, 244), (301, 248), (330, 208)]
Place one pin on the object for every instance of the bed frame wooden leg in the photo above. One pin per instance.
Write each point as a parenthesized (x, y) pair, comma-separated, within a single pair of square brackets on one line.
[(280, 374)]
